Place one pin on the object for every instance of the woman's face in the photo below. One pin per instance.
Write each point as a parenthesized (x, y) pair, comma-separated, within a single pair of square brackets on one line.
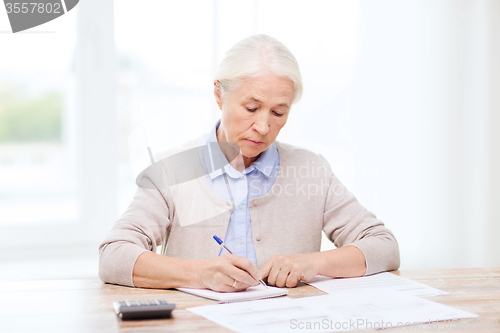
[(254, 113)]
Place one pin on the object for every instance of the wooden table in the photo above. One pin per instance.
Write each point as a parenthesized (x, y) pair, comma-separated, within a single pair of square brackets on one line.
[(86, 305)]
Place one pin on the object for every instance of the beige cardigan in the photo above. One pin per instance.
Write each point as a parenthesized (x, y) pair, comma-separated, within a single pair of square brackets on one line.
[(305, 200)]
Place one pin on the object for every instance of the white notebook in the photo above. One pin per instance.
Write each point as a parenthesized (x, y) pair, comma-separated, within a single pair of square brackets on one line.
[(252, 293)]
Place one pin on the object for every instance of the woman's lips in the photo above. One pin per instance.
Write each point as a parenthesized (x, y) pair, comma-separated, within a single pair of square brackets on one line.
[(254, 143)]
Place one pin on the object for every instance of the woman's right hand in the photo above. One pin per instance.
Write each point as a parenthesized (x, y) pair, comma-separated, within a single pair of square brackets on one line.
[(228, 273)]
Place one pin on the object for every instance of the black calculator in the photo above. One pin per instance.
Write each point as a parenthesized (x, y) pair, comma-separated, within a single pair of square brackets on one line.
[(143, 309)]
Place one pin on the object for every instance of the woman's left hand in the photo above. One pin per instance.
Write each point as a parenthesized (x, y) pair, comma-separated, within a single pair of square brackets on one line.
[(288, 270)]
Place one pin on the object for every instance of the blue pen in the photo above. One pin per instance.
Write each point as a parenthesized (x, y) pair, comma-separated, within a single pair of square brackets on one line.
[(218, 240)]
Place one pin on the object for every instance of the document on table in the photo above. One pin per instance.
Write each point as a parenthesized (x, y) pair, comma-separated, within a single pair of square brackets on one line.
[(387, 281), (340, 312)]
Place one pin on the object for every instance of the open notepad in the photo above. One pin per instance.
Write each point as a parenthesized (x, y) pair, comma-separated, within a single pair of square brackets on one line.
[(250, 294)]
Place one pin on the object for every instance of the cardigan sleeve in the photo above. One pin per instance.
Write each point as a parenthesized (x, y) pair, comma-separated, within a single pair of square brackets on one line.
[(141, 228), (347, 222)]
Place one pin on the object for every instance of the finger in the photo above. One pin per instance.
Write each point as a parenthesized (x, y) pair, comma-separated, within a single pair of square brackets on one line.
[(246, 265), (265, 269), (292, 280), (235, 285), (247, 271), (229, 265), (242, 277), (239, 286), (282, 277), (273, 274), (224, 282)]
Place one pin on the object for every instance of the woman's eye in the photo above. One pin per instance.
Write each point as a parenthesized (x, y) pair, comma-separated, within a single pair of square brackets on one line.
[(252, 110), (277, 114)]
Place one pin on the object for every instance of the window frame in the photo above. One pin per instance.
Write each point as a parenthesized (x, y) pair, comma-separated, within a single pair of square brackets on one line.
[(96, 140)]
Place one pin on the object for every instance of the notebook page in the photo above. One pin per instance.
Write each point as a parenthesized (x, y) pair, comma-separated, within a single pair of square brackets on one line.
[(252, 293)]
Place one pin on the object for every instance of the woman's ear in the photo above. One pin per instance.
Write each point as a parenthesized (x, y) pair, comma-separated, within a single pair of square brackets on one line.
[(217, 94)]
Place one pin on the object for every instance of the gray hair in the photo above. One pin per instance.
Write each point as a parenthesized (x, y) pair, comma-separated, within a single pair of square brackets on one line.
[(255, 56)]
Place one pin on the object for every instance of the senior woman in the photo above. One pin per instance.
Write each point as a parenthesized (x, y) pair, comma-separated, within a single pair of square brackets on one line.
[(269, 201)]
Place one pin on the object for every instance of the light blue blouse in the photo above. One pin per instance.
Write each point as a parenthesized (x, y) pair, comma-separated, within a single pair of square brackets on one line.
[(255, 181)]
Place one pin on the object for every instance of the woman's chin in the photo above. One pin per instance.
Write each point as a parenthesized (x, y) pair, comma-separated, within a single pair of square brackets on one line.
[(251, 153)]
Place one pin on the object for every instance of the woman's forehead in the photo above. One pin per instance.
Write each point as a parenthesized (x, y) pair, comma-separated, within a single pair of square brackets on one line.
[(260, 89), (251, 98)]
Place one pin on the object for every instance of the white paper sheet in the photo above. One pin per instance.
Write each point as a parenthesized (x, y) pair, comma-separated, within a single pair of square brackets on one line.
[(386, 281), (332, 313)]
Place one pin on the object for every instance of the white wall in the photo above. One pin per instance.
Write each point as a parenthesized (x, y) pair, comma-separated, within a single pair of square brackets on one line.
[(423, 115)]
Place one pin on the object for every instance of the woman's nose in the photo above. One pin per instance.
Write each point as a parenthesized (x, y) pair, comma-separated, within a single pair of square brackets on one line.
[(261, 124)]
